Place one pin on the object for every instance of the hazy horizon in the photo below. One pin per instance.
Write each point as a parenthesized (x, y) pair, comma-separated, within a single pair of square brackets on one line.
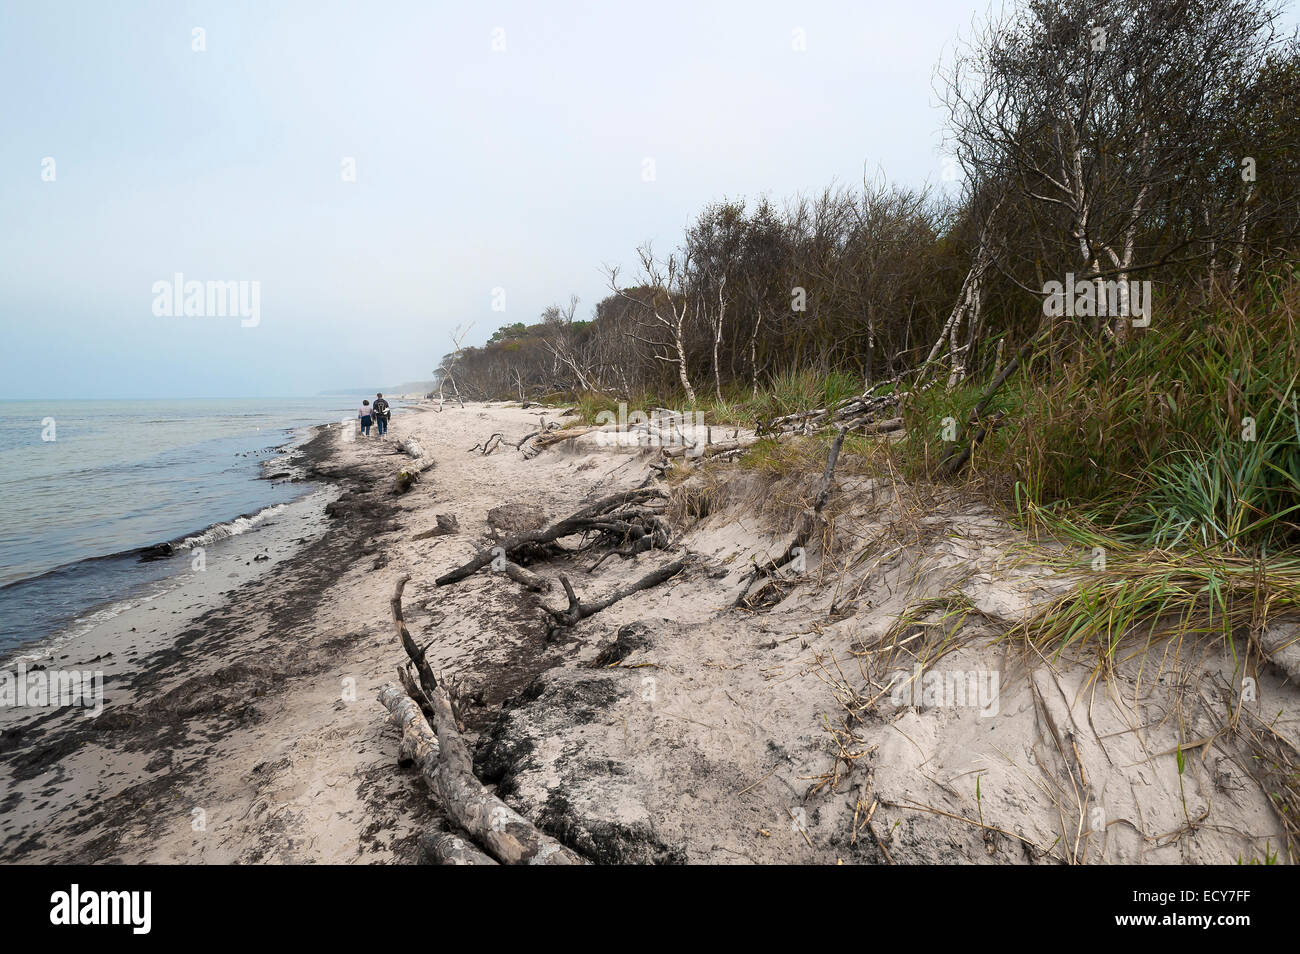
[(131, 157)]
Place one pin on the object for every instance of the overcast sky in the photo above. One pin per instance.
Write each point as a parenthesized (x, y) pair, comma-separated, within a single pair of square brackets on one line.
[(522, 169)]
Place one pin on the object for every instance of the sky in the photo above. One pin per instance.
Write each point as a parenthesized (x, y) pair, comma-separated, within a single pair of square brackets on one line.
[(389, 172)]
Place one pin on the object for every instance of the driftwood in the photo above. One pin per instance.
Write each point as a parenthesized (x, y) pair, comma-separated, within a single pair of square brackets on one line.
[(448, 771), (697, 451), (428, 681), (855, 413), (445, 848), (543, 441), (444, 763), (447, 523), (526, 579), (531, 450), (578, 610), (601, 515), (415, 692), (489, 445), (409, 474)]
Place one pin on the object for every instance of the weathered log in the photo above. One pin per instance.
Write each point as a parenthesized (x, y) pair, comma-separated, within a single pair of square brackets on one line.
[(418, 743), (449, 773), (697, 451), (444, 763), (860, 410), (409, 474), (529, 581), (864, 425), (446, 848)]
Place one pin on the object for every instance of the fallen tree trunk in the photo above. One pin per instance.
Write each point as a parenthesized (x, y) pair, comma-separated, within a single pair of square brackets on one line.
[(854, 412), (709, 450), (444, 763), (409, 474), (583, 520)]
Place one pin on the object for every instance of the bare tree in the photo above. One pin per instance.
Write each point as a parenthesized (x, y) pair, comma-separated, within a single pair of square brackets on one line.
[(667, 305)]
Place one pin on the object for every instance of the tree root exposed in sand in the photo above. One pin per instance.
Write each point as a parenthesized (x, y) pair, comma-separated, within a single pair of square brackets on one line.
[(444, 763)]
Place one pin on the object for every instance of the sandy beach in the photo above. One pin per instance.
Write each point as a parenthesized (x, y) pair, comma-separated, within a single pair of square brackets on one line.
[(671, 727)]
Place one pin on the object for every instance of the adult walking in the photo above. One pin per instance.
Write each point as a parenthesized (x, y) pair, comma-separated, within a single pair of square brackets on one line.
[(364, 415), (381, 414)]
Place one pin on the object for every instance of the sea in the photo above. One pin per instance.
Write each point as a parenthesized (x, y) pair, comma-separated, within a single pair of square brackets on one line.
[(102, 503)]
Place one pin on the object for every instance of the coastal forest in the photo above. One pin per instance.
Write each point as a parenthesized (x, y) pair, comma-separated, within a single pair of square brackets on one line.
[(1101, 289)]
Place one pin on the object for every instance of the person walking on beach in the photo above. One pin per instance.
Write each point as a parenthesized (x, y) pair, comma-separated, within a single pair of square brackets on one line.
[(364, 414), (381, 414)]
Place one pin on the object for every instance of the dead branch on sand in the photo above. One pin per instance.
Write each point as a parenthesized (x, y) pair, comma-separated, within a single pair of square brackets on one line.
[(444, 762), (489, 445), (578, 610), (526, 579), (615, 514)]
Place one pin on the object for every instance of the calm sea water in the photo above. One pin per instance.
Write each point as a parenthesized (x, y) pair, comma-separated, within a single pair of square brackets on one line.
[(122, 475)]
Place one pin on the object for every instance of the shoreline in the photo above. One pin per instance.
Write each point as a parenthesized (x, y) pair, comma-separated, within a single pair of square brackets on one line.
[(154, 571), (36, 744)]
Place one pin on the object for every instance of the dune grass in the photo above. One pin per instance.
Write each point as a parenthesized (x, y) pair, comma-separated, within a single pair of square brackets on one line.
[(1188, 436)]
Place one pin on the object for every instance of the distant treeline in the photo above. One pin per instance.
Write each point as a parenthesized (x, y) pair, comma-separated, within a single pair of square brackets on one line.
[(1099, 144)]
